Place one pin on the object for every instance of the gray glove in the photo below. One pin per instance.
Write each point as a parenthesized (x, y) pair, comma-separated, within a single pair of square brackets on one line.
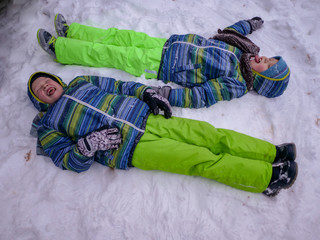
[(163, 91), (255, 23), (155, 101), (103, 140)]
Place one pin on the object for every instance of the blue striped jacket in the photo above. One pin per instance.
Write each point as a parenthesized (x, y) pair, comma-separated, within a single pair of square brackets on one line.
[(89, 103), (208, 69)]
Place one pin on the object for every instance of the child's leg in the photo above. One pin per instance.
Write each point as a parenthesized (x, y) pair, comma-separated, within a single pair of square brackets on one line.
[(217, 140), (156, 153), (136, 61), (114, 36)]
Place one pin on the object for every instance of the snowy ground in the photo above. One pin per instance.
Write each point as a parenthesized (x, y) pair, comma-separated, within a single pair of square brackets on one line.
[(40, 201)]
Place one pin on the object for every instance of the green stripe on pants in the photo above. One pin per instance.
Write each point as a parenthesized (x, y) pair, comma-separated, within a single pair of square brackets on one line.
[(196, 148), (133, 52)]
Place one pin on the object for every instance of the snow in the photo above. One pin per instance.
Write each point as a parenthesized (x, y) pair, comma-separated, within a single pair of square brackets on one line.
[(40, 201)]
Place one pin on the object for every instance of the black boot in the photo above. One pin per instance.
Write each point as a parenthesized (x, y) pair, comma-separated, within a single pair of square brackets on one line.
[(285, 152), (283, 176)]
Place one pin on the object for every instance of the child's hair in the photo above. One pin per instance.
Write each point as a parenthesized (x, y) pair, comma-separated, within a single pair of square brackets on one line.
[(274, 81)]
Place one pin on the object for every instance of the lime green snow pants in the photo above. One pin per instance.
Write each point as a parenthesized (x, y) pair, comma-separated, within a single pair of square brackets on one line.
[(196, 148), (134, 52)]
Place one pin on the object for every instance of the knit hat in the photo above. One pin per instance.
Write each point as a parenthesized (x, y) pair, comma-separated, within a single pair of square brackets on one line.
[(274, 81), (40, 105)]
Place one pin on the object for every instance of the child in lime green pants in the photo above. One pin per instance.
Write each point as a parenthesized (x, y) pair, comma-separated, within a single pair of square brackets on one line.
[(134, 52), (74, 133), (196, 148), (208, 70)]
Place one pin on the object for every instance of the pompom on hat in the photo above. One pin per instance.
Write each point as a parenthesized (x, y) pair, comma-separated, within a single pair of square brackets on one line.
[(274, 81)]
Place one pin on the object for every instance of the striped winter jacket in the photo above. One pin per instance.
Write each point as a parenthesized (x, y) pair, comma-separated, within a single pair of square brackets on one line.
[(208, 69), (89, 103)]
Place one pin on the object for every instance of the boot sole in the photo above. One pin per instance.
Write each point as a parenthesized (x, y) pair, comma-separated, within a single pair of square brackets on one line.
[(38, 36), (39, 40), (51, 53), (289, 184), (294, 178), (294, 152), (55, 25)]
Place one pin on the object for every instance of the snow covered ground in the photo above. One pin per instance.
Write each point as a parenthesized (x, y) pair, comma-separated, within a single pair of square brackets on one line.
[(40, 201)]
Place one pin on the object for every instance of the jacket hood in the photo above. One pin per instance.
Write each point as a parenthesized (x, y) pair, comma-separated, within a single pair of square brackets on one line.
[(40, 105), (274, 81)]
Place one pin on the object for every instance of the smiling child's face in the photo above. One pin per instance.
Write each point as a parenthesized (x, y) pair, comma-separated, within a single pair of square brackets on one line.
[(47, 90), (261, 64)]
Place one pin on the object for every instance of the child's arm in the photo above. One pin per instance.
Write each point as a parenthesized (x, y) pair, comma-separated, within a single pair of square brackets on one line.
[(63, 151), (113, 86), (245, 27), (208, 93)]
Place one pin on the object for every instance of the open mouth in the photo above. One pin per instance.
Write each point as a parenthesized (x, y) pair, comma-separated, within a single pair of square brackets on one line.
[(50, 91), (255, 58)]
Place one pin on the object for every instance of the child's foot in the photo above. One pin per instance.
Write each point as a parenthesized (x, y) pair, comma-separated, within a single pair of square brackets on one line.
[(285, 152), (61, 25), (283, 176), (46, 42)]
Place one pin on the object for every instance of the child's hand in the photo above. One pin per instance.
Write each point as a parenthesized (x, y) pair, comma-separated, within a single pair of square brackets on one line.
[(156, 101), (255, 23), (105, 139)]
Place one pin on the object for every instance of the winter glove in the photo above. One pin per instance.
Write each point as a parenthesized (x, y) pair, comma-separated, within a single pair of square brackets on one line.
[(155, 101), (255, 23), (104, 139)]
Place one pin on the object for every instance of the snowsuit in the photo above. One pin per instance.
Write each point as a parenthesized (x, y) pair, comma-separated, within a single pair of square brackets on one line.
[(150, 142), (207, 69)]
